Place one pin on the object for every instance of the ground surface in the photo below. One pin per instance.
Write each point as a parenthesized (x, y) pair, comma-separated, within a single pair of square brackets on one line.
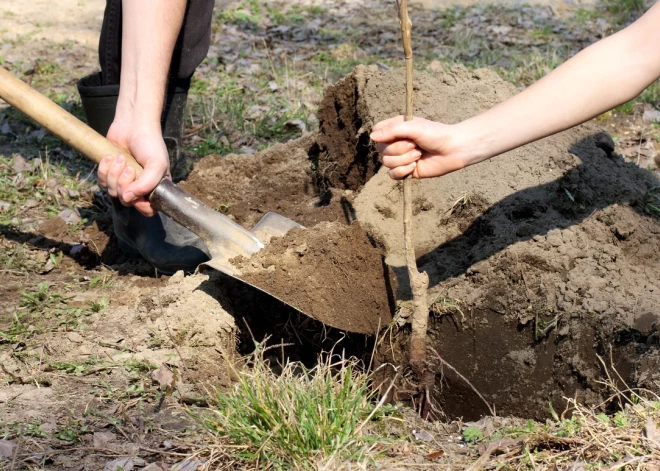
[(92, 345)]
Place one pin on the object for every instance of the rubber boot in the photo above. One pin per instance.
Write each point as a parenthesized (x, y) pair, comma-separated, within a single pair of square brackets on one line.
[(165, 244)]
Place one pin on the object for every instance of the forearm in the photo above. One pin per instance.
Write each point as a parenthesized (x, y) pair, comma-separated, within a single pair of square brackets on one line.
[(605, 75), (149, 32)]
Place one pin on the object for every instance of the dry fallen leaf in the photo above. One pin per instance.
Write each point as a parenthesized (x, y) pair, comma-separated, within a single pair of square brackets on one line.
[(434, 456), (164, 377), (503, 445), (422, 435), (7, 448), (652, 434), (20, 164)]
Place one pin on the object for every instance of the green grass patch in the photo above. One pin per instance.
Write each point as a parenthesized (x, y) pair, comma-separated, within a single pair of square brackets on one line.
[(16, 331), (626, 108), (250, 13), (451, 16), (584, 15), (625, 11), (233, 116), (652, 94), (300, 417), (41, 298), (76, 368)]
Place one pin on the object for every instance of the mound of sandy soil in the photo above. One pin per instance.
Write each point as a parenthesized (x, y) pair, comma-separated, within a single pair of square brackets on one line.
[(540, 260), (546, 250)]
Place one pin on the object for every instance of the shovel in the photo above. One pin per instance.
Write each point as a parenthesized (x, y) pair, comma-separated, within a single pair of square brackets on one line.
[(224, 238)]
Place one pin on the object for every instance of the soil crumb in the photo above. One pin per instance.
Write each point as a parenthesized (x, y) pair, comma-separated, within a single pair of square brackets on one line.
[(331, 272), (55, 228)]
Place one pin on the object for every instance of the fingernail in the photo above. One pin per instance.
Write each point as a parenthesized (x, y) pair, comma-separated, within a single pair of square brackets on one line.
[(376, 134), (411, 145), (120, 159), (127, 171), (107, 159), (130, 196), (416, 154)]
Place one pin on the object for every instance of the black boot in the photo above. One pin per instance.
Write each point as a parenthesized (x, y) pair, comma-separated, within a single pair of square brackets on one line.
[(165, 244)]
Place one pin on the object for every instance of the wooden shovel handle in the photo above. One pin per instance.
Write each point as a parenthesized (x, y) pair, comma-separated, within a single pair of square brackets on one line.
[(59, 121)]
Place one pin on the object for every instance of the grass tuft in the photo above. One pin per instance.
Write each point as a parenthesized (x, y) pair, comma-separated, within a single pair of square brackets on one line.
[(652, 201), (299, 417), (625, 11)]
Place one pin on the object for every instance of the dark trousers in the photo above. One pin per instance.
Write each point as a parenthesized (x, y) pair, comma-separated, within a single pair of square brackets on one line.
[(189, 51)]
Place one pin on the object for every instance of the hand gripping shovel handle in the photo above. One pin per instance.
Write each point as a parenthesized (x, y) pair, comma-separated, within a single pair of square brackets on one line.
[(60, 122), (167, 197)]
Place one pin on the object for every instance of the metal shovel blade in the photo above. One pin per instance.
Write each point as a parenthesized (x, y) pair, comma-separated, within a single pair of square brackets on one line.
[(224, 238), (273, 225)]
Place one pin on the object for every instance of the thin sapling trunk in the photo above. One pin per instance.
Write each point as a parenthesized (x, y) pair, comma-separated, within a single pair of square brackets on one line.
[(419, 282)]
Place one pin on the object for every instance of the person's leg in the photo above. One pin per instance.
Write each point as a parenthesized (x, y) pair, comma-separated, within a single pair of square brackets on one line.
[(164, 243)]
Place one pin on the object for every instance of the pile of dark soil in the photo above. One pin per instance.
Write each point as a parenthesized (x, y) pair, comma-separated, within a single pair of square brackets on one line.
[(540, 260)]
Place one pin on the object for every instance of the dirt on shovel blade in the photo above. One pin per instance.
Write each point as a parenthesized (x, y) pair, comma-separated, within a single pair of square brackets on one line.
[(324, 272), (331, 271)]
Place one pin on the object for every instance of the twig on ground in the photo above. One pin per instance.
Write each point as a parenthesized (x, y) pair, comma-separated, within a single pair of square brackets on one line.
[(116, 346)]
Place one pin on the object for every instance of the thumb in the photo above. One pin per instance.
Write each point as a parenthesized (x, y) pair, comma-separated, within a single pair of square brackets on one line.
[(397, 130), (153, 173)]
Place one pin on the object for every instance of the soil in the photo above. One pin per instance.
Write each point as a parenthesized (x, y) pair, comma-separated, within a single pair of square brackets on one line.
[(332, 272), (545, 253), (278, 179), (540, 260), (326, 272), (346, 159)]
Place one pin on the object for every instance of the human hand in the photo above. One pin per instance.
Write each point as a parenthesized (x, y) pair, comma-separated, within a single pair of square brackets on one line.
[(420, 147), (146, 144)]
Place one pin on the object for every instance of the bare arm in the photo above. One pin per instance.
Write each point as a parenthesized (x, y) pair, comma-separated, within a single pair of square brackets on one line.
[(149, 32), (602, 76)]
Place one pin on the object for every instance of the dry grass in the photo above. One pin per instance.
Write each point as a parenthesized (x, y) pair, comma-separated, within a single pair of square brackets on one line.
[(585, 438)]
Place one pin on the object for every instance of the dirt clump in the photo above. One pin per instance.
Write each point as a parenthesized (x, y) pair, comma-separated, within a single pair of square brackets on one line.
[(279, 179), (55, 228), (346, 158), (324, 272)]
